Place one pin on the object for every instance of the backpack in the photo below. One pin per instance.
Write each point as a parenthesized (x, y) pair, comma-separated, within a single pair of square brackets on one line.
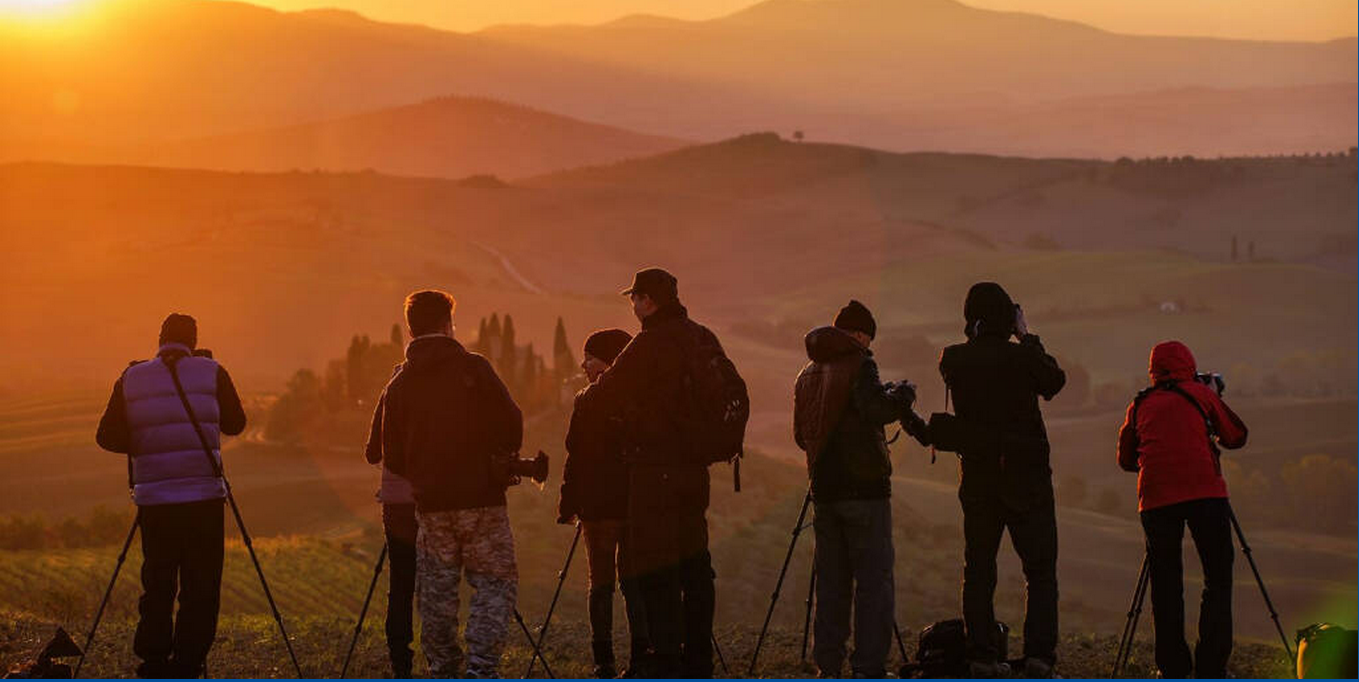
[(1327, 651), (719, 403), (942, 650)]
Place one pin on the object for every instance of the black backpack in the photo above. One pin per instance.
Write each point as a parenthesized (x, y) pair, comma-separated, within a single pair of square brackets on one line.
[(942, 650), (720, 403)]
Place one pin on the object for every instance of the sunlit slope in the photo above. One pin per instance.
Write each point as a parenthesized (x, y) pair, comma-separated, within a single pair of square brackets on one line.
[(450, 137), (759, 230)]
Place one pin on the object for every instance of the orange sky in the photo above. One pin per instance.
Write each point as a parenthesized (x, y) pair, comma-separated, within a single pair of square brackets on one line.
[(1257, 19)]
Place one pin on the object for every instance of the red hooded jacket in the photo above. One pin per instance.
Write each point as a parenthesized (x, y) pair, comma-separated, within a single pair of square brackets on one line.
[(1169, 446)]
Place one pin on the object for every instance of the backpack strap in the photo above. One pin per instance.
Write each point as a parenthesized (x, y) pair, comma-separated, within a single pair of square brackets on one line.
[(1174, 387)]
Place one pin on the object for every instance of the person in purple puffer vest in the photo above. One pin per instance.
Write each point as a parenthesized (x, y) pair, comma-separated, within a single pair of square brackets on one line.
[(178, 491)]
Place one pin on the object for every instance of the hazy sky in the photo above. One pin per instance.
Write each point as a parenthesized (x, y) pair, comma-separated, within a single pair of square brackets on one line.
[(1260, 19)]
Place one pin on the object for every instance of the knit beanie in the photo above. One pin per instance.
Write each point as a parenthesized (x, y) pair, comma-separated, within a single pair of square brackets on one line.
[(855, 317), (606, 344)]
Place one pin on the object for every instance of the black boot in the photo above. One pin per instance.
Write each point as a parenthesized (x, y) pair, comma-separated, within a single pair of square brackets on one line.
[(154, 669), (402, 660), (604, 664), (601, 628)]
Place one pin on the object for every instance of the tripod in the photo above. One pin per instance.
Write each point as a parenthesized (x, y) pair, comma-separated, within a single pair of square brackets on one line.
[(547, 620), (99, 615), (798, 527), (235, 511), (1144, 582), (377, 571)]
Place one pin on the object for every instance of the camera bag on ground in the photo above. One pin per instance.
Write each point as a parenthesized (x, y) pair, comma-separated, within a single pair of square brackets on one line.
[(42, 667), (1327, 651), (720, 404), (942, 650)]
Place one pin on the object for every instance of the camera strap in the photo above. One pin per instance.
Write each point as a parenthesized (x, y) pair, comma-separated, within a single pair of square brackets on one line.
[(170, 362)]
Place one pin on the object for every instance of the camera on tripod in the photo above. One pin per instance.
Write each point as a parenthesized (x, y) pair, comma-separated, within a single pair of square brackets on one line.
[(1212, 380), (511, 469)]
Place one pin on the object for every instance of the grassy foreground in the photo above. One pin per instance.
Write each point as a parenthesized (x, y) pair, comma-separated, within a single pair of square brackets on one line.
[(248, 646)]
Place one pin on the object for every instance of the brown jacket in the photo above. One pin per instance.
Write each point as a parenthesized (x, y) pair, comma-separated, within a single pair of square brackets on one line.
[(839, 410)]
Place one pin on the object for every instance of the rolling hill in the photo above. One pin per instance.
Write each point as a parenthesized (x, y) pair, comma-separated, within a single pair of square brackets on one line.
[(924, 74), (760, 231), (450, 137)]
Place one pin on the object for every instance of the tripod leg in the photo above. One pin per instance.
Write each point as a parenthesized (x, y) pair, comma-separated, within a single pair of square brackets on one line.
[(774, 598), (377, 571), (901, 645), (250, 548), (1125, 643), (720, 658), (547, 620), (807, 620), (1269, 604), (99, 615), (537, 653)]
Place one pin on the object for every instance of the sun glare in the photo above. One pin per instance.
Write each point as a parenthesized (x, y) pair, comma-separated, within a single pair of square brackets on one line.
[(38, 8)]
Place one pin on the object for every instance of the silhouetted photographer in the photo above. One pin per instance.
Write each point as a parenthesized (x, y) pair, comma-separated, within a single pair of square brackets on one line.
[(447, 424), (595, 491), (179, 491), (1170, 438), (1005, 481), (840, 409)]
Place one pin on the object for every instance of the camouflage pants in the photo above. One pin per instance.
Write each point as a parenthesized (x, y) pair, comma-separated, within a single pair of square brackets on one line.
[(477, 542)]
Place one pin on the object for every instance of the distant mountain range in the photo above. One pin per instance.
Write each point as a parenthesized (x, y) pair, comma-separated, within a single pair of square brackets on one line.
[(896, 74)]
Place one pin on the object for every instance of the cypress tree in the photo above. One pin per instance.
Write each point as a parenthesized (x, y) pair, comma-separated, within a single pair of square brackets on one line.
[(563, 360), (507, 350)]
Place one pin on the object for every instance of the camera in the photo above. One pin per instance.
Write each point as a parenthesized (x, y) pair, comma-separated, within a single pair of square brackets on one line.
[(511, 469), (1212, 380), (903, 394)]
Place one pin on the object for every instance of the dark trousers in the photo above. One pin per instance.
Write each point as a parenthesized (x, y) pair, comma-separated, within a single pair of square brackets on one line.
[(675, 582), (607, 552), (181, 555), (1209, 523), (854, 559), (1033, 532), (399, 525)]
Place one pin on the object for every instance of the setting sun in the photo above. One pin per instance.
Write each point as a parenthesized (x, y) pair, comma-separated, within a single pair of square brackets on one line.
[(37, 8)]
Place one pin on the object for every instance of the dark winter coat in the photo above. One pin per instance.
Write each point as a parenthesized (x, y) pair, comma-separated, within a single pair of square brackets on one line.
[(1169, 443), (445, 414), (595, 479), (995, 385), (839, 410), (647, 389), (145, 418)]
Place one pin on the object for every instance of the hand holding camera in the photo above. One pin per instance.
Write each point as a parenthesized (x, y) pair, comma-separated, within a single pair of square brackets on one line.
[(510, 469)]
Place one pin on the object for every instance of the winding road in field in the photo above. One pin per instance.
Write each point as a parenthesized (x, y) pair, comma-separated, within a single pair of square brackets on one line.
[(510, 270)]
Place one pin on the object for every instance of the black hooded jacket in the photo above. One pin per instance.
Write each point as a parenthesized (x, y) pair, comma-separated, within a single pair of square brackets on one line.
[(995, 385), (839, 410), (445, 414), (647, 392)]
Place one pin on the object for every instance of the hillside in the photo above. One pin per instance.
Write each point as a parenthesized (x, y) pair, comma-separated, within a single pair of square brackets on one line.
[(790, 226), (450, 137), (925, 74)]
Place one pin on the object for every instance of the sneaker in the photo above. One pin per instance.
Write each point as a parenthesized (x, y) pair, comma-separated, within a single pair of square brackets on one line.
[(987, 670)]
